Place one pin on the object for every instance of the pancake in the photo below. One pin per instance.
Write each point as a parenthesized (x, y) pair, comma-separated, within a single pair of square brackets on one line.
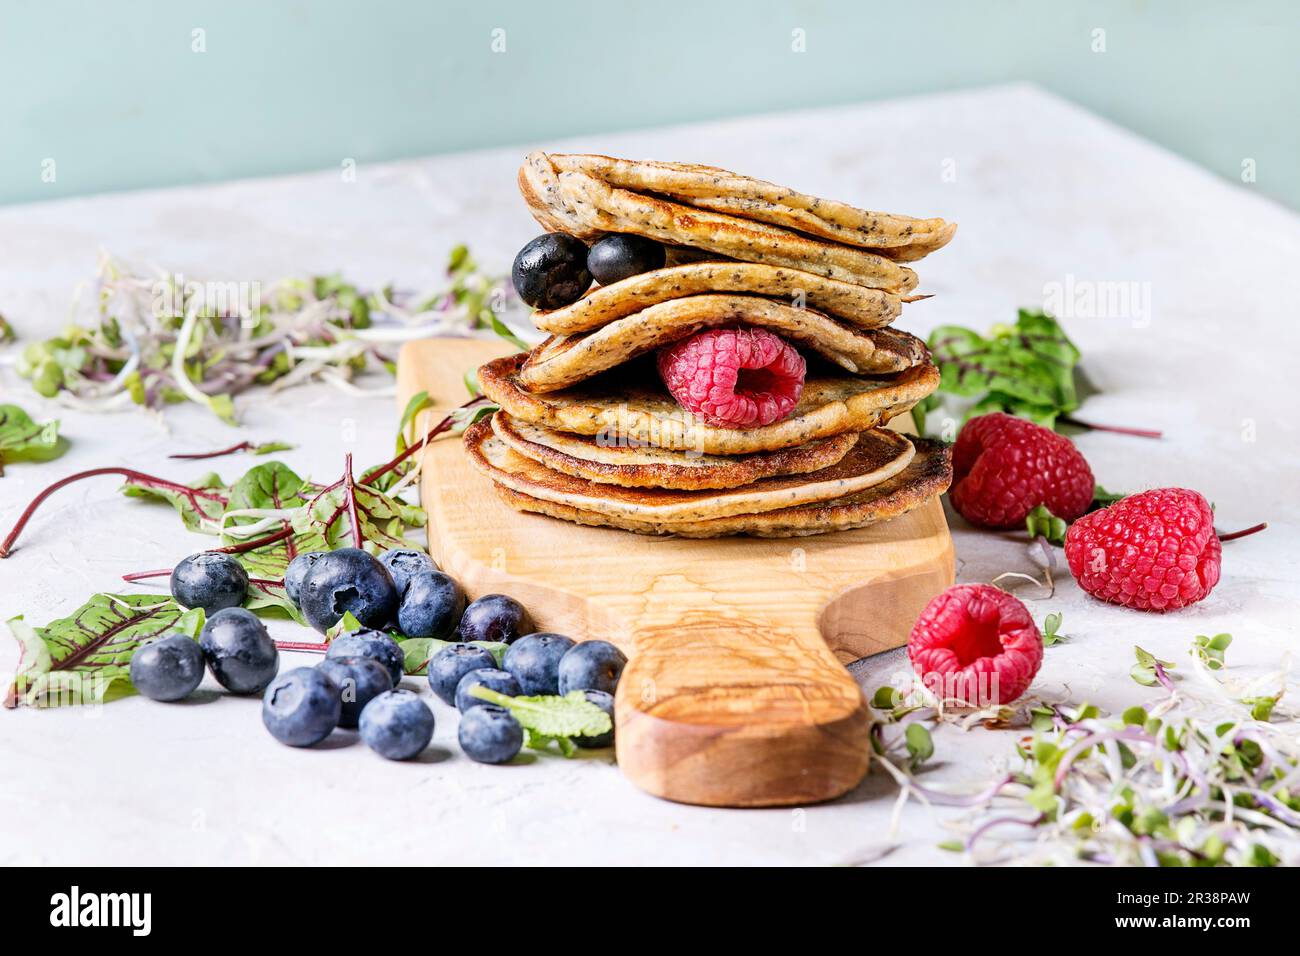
[(586, 207), (927, 476), (583, 456), (626, 407), (855, 304), (875, 457), (562, 361), (903, 238)]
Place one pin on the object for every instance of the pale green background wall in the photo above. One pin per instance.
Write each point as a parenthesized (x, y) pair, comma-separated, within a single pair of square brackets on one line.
[(113, 93)]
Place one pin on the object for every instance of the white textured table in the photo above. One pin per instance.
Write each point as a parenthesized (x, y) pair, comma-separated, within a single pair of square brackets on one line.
[(1042, 190)]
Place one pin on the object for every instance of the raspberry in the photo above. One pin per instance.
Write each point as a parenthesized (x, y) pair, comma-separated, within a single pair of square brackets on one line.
[(1003, 467), (737, 378), (1154, 551), (975, 644)]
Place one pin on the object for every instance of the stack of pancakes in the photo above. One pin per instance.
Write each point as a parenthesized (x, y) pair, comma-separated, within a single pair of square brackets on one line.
[(588, 432)]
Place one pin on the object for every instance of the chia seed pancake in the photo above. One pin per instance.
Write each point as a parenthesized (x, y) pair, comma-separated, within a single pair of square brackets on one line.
[(584, 206), (927, 476), (562, 361), (855, 304), (583, 456), (875, 457), (903, 238), (632, 406)]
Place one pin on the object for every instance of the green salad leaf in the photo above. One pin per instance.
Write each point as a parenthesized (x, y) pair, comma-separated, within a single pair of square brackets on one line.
[(85, 658), (22, 439)]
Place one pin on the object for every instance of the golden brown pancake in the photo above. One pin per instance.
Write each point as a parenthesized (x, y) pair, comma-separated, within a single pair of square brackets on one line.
[(877, 456), (636, 408), (566, 360), (928, 476), (584, 456), (855, 304), (580, 205), (719, 190)]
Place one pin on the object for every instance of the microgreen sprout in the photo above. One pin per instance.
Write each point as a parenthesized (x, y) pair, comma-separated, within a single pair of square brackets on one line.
[(152, 339), (1042, 523), (1156, 785), (1052, 630)]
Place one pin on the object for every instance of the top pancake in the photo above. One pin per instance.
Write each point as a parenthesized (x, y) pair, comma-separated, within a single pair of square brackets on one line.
[(586, 207), (562, 361), (855, 304), (632, 406), (904, 238)]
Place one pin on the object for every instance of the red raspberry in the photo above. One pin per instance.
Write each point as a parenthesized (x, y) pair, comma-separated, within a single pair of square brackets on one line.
[(1155, 551), (734, 378), (1003, 467), (976, 644)]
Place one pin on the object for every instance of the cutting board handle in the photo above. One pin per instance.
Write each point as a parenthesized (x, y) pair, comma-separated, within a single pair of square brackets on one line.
[(722, 711)]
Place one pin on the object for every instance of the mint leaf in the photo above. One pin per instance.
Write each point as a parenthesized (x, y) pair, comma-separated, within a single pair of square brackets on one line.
[(536, 741), (86, 657), (22, 439), (552, 716), (1101, 498), (1026, 369)]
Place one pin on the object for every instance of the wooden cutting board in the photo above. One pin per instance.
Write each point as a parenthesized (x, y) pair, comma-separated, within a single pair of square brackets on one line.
[(736, 692)]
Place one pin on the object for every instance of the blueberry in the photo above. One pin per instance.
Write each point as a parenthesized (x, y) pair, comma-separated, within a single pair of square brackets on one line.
[(297, 570), (621, 256), (490, 734), (359, 680), (346, 580), (551, 271), (453, 662), (503, 682), (167, 669), (373, 644), (210, 580), (431, 606), (534, 660), (591, 665), (401, 563), (606, 703), (397, 725), (239, 652), (494, 617), (301, 707)]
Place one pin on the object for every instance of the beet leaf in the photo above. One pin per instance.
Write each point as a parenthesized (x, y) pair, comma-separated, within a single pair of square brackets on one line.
[(86, 658)]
